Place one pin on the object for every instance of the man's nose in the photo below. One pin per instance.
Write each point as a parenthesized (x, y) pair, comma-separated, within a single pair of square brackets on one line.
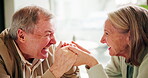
[(53, 41)]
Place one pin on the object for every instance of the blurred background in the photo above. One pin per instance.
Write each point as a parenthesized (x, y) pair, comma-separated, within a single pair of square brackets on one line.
[(75, 20)]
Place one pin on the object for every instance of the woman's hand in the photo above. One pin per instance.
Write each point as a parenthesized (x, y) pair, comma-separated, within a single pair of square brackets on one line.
[(84, 56), (81, 48)]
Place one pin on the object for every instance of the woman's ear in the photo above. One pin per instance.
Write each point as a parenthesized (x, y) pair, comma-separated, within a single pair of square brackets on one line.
[(21, 35), (128, 38)]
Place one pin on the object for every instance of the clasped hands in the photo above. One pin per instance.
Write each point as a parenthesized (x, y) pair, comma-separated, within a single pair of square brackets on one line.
[(68, 55)]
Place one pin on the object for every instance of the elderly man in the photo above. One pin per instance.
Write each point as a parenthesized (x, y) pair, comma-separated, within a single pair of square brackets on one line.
[(26, 49)]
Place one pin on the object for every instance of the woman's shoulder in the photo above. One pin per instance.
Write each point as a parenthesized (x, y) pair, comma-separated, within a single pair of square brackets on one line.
[(145, 59), (144, 63), (143, 68)]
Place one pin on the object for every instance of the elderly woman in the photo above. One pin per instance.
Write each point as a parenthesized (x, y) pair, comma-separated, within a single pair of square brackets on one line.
[(126, 34)]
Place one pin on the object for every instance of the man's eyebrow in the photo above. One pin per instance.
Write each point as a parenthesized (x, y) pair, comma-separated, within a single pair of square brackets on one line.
[(49, 31)]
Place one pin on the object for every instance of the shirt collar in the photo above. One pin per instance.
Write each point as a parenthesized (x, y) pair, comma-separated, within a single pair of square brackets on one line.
[(35, 61)]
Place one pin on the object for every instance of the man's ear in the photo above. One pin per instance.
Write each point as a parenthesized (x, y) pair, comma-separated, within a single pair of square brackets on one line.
[(21, 35)]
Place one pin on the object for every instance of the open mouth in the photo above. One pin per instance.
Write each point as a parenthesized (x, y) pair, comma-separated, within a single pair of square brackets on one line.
[(109, 48), (45, 50)]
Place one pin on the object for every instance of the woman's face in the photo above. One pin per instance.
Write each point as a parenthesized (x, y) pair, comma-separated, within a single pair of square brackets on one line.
[(117, 42)]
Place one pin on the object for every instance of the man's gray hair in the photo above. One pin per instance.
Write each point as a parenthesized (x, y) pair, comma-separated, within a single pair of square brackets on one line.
[(26, 19)]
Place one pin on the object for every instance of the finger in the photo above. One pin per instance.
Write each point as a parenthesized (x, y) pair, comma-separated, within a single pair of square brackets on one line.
[(75, 50), (64, 44), (67, 44), (80, 47), (59, 46), (77, 45), (70, 44), (70, 62), (73, 45)]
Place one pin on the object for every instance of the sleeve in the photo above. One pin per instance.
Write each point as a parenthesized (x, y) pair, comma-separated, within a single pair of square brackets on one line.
[(48, 74), (97, 72), (72, 73), (143, 68), (113, 68), (3, 73)]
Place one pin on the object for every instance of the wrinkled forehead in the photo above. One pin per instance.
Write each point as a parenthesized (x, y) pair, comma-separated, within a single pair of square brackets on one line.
[(44, 26), (107, 24)]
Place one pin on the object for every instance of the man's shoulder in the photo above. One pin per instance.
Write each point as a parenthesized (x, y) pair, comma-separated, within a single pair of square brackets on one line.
[(4, 51), (3, 34), (2, 46)]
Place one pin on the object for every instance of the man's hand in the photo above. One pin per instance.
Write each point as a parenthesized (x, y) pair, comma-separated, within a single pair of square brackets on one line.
[(64, 60)]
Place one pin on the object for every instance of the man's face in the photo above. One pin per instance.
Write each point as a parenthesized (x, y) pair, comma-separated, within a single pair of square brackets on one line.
[(37, 44)]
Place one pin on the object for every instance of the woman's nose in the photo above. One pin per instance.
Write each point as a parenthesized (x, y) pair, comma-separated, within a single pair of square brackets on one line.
[(103, 39)]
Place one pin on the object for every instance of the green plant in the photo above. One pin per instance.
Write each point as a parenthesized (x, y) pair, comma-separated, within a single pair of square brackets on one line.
[(144, 6)]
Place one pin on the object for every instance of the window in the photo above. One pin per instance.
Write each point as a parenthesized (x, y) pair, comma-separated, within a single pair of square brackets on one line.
[(83, 21)]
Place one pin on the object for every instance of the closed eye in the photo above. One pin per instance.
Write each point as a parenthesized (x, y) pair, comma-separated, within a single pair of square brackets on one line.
[(106, 33), (47, 35)]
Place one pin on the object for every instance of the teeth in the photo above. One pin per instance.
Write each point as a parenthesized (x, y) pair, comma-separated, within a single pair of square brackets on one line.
[(46, 49)]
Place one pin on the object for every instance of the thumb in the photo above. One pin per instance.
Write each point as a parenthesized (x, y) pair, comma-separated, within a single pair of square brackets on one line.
[(80, 47), (59, 46)]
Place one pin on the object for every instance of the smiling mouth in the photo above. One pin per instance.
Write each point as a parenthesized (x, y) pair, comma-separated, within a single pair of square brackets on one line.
[(45, 50), (109, 48)]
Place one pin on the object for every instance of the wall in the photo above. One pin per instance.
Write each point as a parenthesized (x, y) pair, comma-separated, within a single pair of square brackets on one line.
[(2, 15), (13, 5)]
